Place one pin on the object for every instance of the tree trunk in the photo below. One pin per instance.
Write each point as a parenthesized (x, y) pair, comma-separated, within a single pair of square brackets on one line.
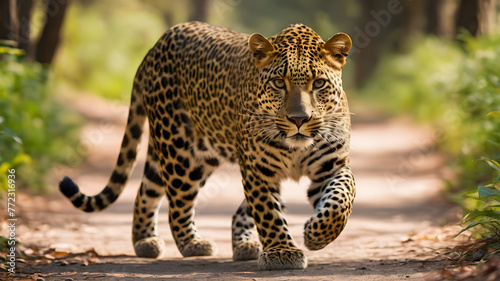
[(487, 14), (24, 8), (476, 16), (436, 23), (49, 39), (199, 10), (9, 24), (373, 35), (415, 18)]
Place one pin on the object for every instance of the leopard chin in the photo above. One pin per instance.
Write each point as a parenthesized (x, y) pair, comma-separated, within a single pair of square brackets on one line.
[(299, 141)]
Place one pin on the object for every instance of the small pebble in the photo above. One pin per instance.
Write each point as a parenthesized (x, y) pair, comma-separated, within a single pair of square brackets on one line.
[(479, 254)]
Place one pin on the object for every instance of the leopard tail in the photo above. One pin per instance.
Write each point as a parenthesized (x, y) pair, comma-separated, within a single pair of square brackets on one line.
[(126, 159)]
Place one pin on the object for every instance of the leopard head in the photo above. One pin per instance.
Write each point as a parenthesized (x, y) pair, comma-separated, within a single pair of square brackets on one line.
[(300, 95)]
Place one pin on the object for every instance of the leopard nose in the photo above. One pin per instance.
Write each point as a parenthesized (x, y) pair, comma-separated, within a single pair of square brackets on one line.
[(298, 120)]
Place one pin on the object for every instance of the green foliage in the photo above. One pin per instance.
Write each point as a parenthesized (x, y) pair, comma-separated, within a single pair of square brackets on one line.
[(485, 216), (104, 43), (453, 88), (4, 244), (34, 129)]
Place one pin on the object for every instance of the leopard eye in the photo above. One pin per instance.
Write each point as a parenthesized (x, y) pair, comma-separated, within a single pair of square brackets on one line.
[(279, 83), (318, 84)]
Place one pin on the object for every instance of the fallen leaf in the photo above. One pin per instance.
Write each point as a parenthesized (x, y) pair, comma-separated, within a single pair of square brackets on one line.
[(42, 262), (59, 255), (49, 256)]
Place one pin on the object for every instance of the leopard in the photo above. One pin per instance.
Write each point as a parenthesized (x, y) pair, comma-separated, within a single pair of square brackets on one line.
[(274, 106)]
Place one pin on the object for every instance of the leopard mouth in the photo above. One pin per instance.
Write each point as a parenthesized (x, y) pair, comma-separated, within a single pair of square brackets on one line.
[(299, 137)]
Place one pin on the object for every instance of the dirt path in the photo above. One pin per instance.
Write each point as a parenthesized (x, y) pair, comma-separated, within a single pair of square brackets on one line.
[(393, 232)]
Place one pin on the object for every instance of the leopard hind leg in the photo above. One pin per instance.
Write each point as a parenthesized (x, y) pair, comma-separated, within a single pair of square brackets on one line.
[(184, 170), (245, 239), (145, 237)]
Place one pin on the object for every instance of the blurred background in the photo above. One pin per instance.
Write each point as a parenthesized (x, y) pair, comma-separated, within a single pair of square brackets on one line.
[(435, 62)]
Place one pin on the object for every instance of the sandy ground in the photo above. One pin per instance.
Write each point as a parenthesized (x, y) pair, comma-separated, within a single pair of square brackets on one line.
[(394, 232)]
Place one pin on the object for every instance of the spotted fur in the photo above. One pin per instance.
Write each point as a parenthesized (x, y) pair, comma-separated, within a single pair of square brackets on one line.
[(275, 106)]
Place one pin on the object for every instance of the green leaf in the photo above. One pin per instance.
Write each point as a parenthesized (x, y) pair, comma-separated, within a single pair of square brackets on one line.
[(13, 135), (493, 206), (483, 221), (495, 114), (494, 246), (482, 213), (484, 191), (496, 180), (21, 159), (494, 164)]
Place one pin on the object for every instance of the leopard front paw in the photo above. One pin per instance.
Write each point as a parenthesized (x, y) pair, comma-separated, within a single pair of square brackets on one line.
[(282, 258), (198, 247), (150, 247), (319, 232)]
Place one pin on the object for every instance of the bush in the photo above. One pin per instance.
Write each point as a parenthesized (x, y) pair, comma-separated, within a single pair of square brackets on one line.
[(33, 126), (453, 88), (485, 215)]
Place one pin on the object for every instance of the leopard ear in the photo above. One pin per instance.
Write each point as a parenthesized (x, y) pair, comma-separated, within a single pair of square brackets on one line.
[(263, 51), (336, 49)]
